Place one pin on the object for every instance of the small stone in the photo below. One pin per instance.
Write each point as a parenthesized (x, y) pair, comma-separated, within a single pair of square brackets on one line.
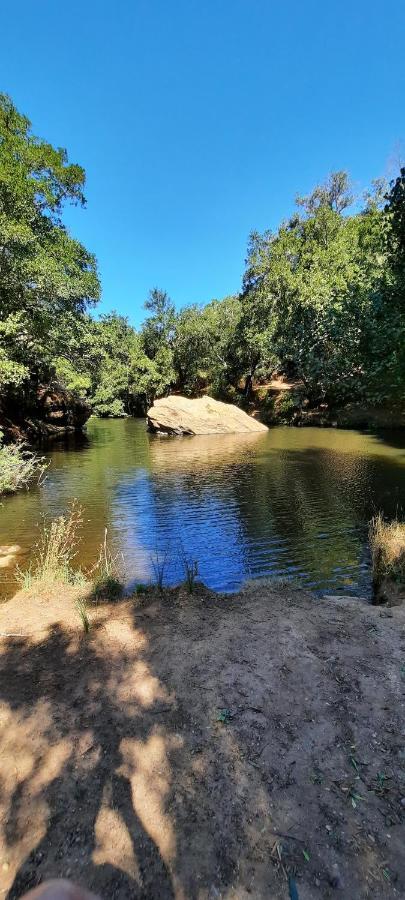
[(335, 878)]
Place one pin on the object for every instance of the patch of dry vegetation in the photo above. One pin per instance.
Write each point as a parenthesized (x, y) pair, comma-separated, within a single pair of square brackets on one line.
[(55, 552), (387, 542)]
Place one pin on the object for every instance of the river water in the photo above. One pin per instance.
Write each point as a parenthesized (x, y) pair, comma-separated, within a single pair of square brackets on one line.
[(289, 503)]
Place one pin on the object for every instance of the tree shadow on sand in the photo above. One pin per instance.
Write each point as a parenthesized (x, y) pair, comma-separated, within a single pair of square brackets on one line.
[(190, 750), (68, 726)]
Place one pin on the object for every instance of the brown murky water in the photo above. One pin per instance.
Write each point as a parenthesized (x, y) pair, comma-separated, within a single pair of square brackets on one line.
[(291, 503)]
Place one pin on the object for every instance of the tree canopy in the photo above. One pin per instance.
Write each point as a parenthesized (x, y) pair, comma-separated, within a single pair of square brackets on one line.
[(322, 297)]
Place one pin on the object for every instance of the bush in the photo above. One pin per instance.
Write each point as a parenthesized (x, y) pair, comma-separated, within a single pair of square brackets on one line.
[(18, 466), (106, 588)]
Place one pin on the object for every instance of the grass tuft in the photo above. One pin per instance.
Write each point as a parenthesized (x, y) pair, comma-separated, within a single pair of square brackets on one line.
[(82, 610), (159, 565), (387, 542), (106, 581), (55, 552), (190, 567)]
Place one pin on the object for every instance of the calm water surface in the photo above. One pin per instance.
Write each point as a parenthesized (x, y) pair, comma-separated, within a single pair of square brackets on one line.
[(293, 502)]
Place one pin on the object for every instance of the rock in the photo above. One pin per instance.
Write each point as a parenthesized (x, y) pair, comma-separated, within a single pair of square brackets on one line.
[(8, 554), (388, 592), (180, 415), (49, 411)]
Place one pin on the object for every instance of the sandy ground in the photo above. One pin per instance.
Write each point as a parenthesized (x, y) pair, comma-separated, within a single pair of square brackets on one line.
[(204, 746)]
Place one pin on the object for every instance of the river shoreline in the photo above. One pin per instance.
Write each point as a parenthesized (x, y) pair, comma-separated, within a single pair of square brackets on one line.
[(203, 745)]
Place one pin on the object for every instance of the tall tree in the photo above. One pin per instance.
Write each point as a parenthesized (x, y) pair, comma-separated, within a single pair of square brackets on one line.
[(47, 278)]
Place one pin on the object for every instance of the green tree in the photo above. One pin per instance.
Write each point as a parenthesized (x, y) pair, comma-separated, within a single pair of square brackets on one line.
[(158, 328), (47, 278), (310, 294)]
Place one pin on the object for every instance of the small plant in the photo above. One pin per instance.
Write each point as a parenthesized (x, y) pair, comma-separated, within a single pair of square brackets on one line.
[(190, 567), (159, 565), (106, 584), (141, 588), (18, 466), (82, 610), (55, 552)]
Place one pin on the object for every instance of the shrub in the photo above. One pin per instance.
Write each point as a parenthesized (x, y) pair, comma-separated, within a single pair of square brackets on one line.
[(107, 588), (18, 466)]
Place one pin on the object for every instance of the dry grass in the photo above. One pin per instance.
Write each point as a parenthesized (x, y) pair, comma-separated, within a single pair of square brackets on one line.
[(56, 551), (107, 584), (387, 542)]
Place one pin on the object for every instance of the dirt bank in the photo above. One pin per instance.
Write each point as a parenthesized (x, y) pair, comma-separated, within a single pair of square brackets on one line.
[(204, 747)]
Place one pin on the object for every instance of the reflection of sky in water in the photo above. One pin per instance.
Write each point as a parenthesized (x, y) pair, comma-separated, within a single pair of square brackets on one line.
[(291, 503), (167, 520)]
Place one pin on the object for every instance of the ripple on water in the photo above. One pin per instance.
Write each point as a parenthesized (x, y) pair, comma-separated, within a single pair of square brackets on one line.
[(290, 503)]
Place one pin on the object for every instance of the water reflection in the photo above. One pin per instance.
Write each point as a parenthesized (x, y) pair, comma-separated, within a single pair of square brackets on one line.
[(290, 502)]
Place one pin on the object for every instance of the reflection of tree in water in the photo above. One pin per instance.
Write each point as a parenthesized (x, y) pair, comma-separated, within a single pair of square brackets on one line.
[(302, 511), (304, 505), (292, 500)]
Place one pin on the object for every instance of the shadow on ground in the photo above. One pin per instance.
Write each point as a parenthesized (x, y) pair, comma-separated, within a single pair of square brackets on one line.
[(201, 748)]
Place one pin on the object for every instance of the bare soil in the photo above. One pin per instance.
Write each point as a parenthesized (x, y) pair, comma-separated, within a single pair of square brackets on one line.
[(204, 746)]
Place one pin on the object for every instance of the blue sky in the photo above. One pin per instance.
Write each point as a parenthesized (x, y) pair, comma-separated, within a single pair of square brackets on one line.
[(197, 122)]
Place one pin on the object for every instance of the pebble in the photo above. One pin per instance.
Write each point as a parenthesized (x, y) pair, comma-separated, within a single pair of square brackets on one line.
[(335, 878)]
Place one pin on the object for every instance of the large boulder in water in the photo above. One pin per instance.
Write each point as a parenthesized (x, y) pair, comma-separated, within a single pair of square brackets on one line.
[(180, 415)]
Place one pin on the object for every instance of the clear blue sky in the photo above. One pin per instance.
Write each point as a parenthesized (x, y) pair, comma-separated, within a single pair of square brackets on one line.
[(197, 122)]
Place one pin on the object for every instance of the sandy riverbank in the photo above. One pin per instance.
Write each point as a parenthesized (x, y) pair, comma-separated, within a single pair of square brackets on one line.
[(204, 746)]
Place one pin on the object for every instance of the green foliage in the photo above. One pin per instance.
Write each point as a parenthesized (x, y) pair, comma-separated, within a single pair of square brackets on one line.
[(107, 588), (203, 346), (82, 610), (47, 278), (18, 466), (316, 300), (322, 299), (158, 328)]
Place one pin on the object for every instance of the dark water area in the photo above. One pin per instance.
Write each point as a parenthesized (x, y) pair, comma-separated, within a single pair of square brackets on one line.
[(292, 503)]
